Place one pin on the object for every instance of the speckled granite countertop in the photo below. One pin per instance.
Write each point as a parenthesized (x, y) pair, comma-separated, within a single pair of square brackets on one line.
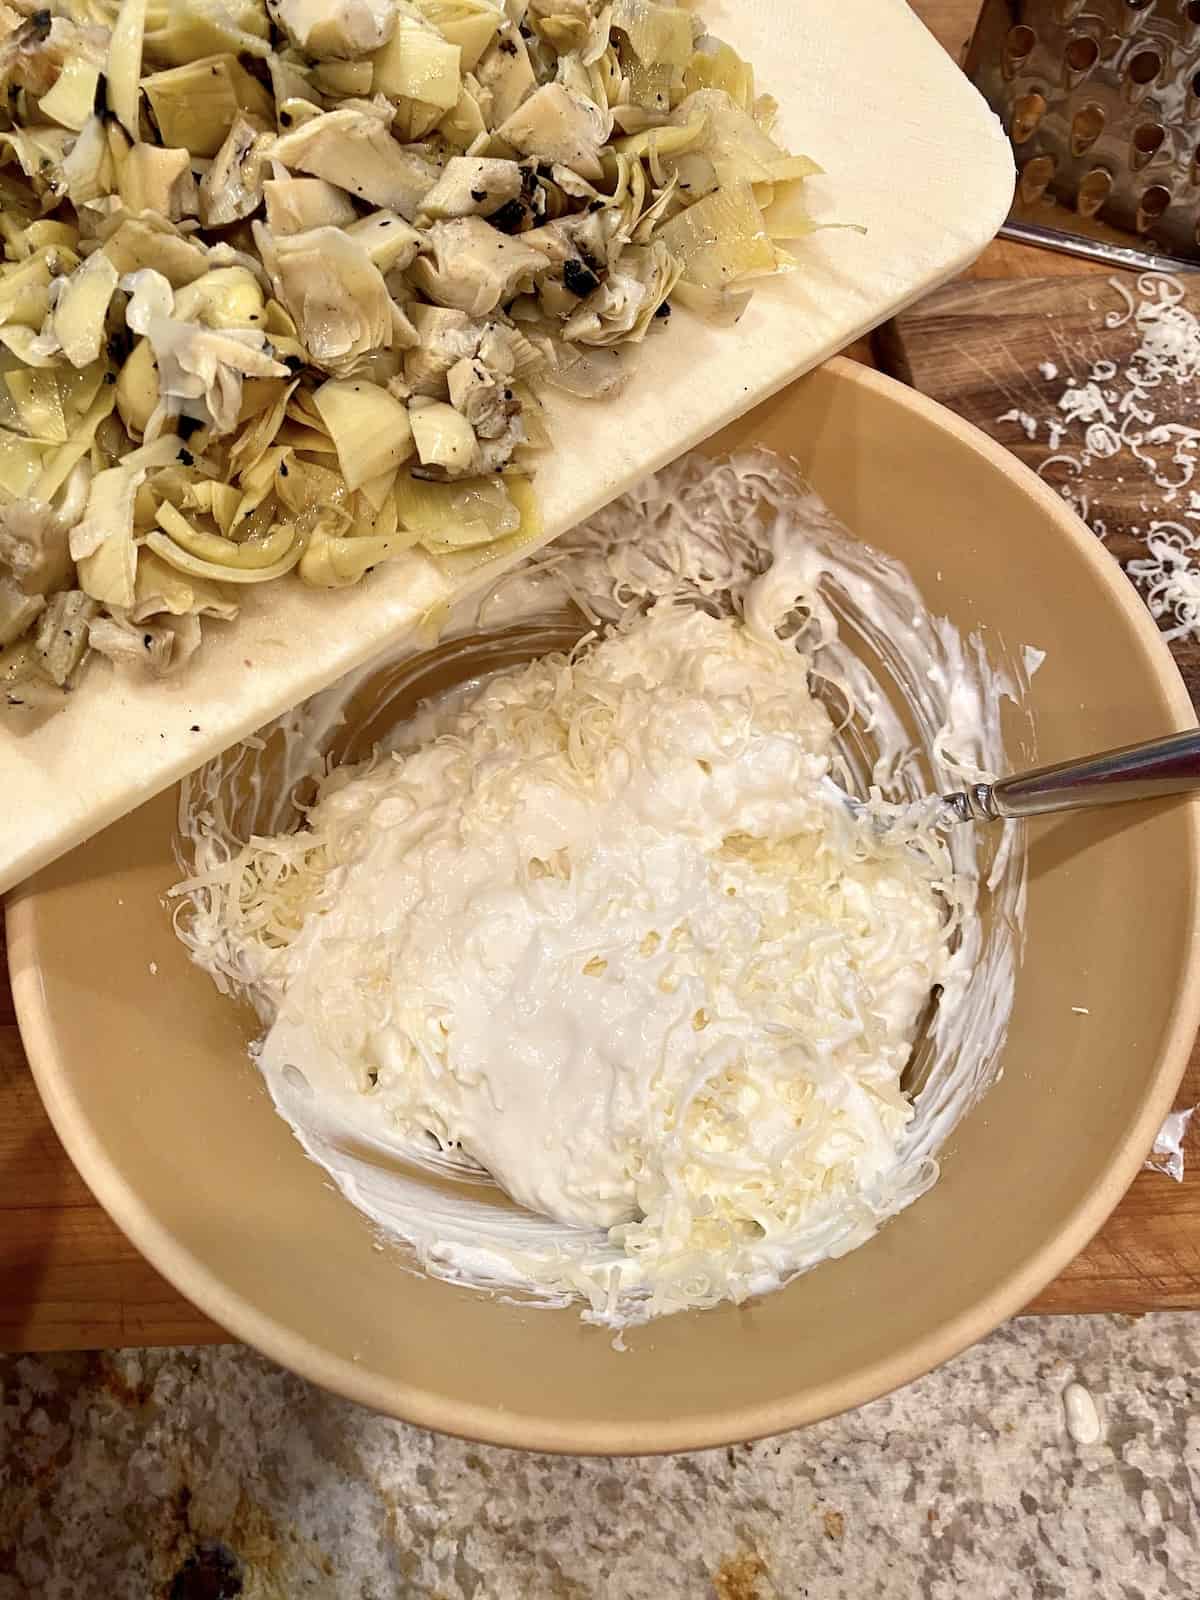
[(210, 1474)]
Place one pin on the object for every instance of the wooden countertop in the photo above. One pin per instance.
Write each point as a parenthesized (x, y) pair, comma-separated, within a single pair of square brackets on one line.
[(70, 1280)]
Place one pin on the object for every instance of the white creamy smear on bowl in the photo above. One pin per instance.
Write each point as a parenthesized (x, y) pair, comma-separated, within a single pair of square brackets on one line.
[(592, 982)]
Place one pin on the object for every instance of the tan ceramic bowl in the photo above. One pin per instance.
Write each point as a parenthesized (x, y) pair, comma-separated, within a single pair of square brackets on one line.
[(147, 1080)]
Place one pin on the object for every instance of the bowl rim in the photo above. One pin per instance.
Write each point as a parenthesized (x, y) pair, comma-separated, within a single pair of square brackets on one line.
[(493, 1426)]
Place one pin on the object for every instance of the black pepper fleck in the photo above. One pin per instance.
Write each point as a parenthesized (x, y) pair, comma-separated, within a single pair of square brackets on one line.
[(195, 728), (509, 46), (578, 279), (664, 310), (283, 471), (187, 458), (147, 640), (509, 217), (479, 196)]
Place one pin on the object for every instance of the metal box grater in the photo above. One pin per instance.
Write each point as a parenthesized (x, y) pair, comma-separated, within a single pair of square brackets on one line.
[(1101, 99)]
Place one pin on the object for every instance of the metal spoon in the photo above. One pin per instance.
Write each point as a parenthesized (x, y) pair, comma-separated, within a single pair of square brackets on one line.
[(1135, 772)]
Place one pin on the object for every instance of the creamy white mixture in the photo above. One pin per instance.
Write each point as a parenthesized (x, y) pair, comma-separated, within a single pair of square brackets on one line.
[(604, 928)]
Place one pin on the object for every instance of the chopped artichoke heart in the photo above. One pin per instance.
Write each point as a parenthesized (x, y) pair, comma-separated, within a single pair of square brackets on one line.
[(195, 105), (417, 63), (354, 149), (555, 125), (333, 561), (174, 555), (443, 437), (139, 244), (721, 239), (465, 202), (73, 97), (659, 34), (343, 31), (370, 430), (124, 68), (82, 309), (470, 24), (296, 204)]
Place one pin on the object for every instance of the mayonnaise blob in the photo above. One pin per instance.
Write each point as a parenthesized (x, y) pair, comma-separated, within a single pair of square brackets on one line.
[(594, 981)]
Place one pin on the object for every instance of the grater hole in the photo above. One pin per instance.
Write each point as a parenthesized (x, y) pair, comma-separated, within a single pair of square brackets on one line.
[(1028, 111), (1086, 127), (1154, 202), (1144, 67), (1019, 45), (1094, 190), (1035, 178), (1082, 53), (1147, 142)]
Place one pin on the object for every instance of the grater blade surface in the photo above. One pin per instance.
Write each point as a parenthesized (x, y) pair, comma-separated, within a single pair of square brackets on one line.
[(1101, 99)]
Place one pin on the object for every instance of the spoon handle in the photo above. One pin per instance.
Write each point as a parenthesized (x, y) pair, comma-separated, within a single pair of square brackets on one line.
[(1135, 772)]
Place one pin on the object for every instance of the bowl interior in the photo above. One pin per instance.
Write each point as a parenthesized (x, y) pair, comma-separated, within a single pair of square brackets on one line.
[(144, 1068)]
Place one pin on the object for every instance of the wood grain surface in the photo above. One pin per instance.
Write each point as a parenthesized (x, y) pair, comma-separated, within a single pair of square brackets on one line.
[(70, 1280), (989, 348)]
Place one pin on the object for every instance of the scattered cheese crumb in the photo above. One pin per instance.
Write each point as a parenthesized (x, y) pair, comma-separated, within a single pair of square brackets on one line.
[(1113, 410), (1081, 1011), (1083, 1419), (1166, 1155), (154, 969)]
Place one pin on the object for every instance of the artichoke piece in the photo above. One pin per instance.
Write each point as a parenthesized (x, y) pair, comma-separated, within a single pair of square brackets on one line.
[(163, 589), (658, 34), (506, 72), (82, 309), (343, 80), (37, 405), (333, 290), (161, 181), (470, 24), (354, 149), (335, 561), (62, 635), (342, 32), (296, 204), (25, 290), (17, 611), (555, 125), (195, 28), (457, 561), (391, 243), (418, 64), (72, 99), (20, 464), (370, 430), (137, 389), (195, 105), (281, 537), (721, 239), (444, 438), (472, 186), (475, 266), (232, 188), (148, 242), (124, 69)]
